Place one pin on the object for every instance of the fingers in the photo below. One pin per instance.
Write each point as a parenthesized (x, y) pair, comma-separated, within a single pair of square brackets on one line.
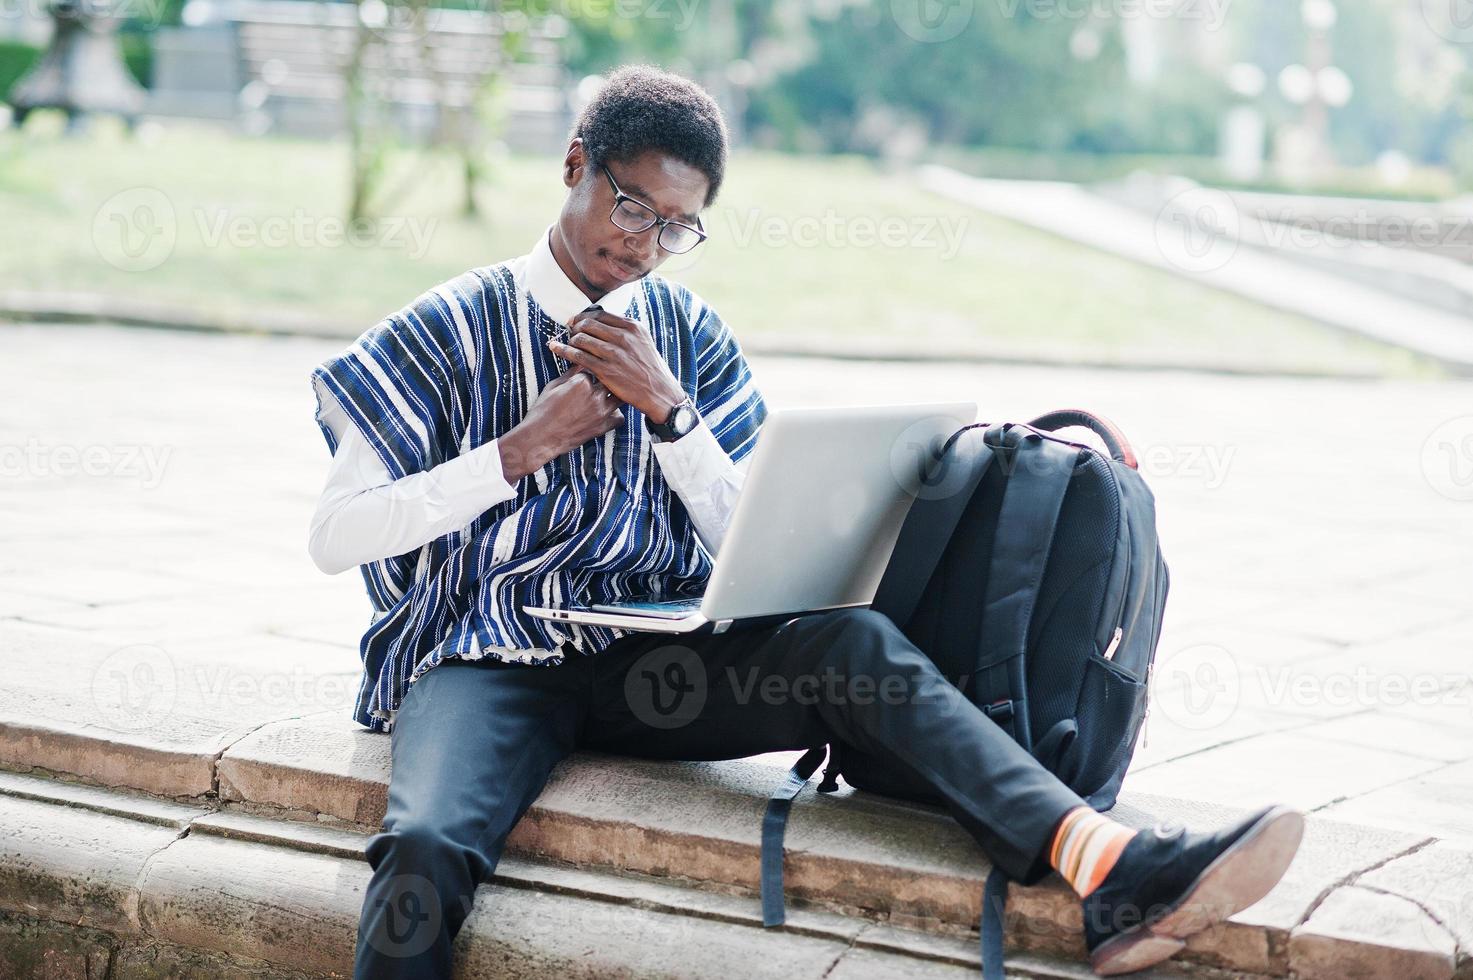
[(597, 389), (571, 374), (600, 388), (605, 421), (594, 345), (595, 383), (600, 320), (574, 355), (597, 328)]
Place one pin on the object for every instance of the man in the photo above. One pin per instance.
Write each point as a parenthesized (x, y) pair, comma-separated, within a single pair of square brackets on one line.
[(498, 443)]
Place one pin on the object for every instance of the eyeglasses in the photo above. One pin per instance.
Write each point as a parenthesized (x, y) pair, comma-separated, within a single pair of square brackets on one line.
[(635, 217)]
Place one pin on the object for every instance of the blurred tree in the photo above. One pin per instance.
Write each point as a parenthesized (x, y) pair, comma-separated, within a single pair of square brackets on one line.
[(713, 43), (1460, 140), (460, 120), (846, 75), (1007, 78), (1406, 78)]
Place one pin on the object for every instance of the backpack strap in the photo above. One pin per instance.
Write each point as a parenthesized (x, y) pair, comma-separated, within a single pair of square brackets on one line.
[(930, 522), (775, 825), (990, 930), (1040, 470), (830, 781)]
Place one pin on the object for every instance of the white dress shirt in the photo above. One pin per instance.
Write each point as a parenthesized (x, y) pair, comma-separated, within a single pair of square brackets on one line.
[(364, 514)]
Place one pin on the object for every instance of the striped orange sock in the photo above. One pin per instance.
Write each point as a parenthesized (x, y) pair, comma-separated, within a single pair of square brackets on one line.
[(1085, 848)]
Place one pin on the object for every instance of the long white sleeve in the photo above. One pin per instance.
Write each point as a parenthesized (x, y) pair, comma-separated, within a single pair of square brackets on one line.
[(364, 514), (705, 479)]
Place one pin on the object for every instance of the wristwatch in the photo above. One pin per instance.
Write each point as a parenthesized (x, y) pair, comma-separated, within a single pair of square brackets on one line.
[(682, 419)]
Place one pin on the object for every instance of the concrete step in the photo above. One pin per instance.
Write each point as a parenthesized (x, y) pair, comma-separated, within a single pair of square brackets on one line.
[(283, 809), (97, 882)]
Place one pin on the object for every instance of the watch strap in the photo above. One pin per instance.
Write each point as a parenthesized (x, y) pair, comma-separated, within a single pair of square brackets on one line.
[(665, 429)]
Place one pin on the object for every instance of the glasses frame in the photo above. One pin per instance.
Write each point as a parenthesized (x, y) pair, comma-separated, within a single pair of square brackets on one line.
[(655, 220)]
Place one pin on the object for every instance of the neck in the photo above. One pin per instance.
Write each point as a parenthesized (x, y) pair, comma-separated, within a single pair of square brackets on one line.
[(565, 262)]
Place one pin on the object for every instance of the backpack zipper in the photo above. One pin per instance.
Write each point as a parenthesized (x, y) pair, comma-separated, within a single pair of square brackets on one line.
[(1120, 615), (1146, 719), (1124, 585)]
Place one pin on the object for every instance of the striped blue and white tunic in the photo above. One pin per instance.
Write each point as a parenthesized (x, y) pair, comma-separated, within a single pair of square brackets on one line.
[(458, 367)]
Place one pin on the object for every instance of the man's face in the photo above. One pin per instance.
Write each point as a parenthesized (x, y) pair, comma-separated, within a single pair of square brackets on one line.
[(603, 256)]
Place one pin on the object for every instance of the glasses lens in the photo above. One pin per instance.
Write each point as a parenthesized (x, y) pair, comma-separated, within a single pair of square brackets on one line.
[(678, 238), (633, 216)]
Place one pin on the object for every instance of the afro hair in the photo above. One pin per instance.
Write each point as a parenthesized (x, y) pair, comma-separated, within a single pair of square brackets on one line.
[(641, 108)]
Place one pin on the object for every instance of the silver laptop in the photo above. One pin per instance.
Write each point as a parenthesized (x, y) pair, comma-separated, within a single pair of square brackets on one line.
[(817, 518)]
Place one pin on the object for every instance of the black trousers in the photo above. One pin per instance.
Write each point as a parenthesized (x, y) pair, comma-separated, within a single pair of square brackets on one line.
[(474, 741)]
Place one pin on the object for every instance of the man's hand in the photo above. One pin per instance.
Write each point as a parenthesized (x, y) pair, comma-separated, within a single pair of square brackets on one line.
[(620, 354), (574, 408)]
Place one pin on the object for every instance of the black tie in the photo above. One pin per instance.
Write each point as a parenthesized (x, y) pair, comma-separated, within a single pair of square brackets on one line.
[(586, 451)]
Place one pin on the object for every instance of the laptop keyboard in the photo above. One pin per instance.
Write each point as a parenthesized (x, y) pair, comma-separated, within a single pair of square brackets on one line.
[(665, 605)]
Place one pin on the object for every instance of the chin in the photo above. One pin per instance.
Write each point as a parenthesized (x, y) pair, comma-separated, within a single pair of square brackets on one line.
[(597, 285)]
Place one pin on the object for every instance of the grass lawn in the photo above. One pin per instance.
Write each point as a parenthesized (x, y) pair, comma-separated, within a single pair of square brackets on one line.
[(827, 248)]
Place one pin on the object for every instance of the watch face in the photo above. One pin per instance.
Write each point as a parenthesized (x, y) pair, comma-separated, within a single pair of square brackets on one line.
[(685, 419)]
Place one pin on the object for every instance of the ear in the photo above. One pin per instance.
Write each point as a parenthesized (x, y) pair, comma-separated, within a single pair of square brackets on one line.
[(574, 163)]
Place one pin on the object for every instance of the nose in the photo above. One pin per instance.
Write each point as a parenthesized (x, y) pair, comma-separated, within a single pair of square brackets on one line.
[(642, 245)]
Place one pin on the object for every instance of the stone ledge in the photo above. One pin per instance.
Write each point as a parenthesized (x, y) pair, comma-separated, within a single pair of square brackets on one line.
[(43, 948), (1357, 932), (107, 759), (303, 784), (240, 895)]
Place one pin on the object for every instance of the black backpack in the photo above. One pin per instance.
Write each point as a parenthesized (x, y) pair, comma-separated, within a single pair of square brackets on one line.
[(1039, 556)]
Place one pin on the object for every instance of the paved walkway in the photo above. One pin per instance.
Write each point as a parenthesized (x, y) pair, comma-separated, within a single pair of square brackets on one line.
[(157, 488)]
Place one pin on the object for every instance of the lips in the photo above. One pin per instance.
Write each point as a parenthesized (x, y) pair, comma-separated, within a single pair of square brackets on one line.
[(620, 270)]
